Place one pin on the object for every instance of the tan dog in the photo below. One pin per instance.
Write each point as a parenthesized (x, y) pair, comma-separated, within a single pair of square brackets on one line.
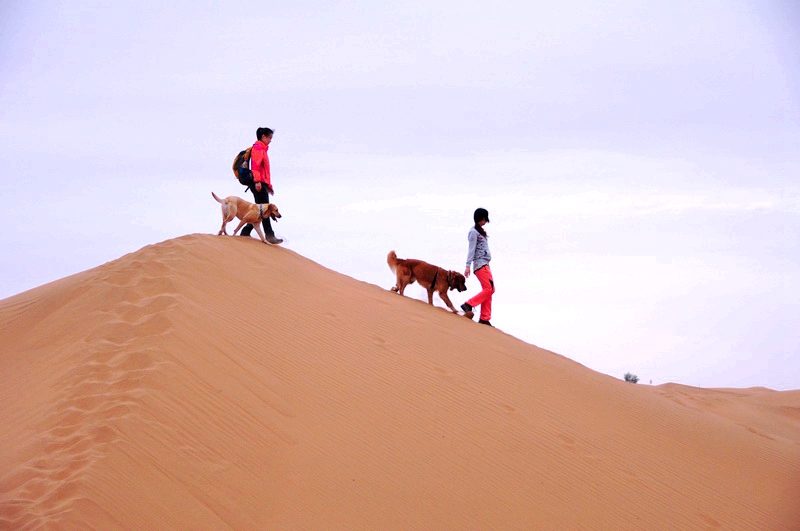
[(430, 277), (247, 212)]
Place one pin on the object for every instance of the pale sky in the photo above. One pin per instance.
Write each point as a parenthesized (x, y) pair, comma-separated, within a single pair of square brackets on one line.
[(639, 160)]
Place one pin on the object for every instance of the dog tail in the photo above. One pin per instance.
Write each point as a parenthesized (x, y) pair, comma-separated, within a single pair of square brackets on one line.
[(217, 198), (391, 259)]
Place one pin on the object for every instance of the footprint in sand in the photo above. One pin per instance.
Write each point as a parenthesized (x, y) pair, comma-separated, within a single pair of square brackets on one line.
[(105, 387), (567, 440), (507, 408), (710, 522)]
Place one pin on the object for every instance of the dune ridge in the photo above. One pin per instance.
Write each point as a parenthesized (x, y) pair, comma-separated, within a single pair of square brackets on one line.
[(212, 383)]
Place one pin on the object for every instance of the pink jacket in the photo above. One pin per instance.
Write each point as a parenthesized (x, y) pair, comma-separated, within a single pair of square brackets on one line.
[(259, 164)]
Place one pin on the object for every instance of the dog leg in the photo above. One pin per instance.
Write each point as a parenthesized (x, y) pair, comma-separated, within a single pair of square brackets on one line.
[(446, 299), (257, 226), (401, 288), (398, 282), (223, 228), (241, 224)]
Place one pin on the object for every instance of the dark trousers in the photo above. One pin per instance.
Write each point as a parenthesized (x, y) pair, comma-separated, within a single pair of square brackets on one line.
[(262, 198)]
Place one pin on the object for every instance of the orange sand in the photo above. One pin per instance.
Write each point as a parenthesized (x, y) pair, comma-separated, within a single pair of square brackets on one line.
[(216, 383)]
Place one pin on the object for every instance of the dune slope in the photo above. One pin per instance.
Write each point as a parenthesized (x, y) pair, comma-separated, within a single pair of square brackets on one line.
[(210, 383)]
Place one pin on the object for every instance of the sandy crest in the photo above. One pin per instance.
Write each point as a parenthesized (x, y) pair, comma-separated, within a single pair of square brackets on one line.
[(212, 383)]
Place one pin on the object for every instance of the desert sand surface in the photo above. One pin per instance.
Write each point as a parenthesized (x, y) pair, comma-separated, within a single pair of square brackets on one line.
[(214, 382)]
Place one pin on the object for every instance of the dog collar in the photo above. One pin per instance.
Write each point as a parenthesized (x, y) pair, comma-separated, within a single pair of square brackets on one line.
[(260, 211)]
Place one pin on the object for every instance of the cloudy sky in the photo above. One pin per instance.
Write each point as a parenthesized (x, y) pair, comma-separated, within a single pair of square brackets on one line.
[(639, 160)]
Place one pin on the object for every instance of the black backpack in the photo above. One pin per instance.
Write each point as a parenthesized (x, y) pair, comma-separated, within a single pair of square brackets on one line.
[(241, 168)]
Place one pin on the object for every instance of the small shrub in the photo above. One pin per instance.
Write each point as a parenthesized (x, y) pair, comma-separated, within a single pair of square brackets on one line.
[(631, 378)]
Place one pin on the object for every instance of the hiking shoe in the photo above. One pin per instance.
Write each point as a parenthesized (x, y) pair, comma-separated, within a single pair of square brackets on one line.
[(481, 321), (273, 240), (467, 311)]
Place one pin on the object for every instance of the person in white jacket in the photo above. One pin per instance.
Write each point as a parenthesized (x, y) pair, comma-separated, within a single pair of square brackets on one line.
[(478, 258)]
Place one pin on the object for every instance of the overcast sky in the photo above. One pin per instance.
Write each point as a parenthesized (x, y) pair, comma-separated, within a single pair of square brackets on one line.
[(639, 160)]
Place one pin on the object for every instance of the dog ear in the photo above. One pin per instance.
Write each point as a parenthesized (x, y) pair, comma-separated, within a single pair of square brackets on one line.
[(450, 279)]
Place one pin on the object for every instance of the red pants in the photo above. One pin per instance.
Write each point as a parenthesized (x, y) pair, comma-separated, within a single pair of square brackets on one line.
[(484, 298)]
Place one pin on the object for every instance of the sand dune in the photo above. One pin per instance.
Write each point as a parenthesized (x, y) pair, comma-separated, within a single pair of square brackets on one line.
[(212, 383)]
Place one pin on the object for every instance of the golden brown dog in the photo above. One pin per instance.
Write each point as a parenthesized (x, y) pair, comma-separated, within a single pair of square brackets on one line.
[(430, 277), (247, 212)]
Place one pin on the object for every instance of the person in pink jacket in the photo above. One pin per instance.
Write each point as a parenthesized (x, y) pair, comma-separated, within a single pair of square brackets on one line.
[(259, 165)]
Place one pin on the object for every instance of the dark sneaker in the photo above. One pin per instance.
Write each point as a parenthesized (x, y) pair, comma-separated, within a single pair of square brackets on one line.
[(481, 321), (273, 240), (467, 311)]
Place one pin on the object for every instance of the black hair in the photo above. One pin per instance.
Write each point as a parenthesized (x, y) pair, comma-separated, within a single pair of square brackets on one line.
[(261, 131), (479, 215)]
